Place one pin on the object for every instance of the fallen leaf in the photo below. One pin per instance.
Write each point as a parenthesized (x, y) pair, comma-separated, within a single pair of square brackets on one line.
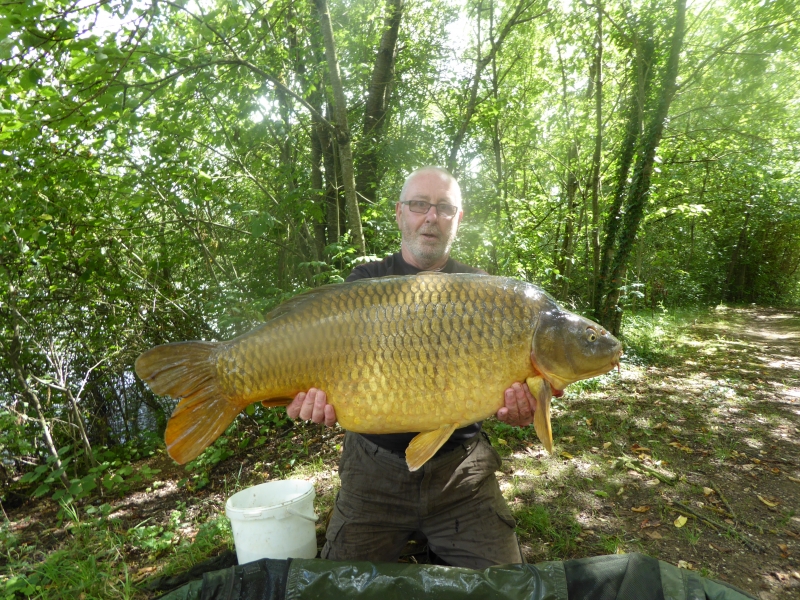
[(707, 491), (790, 478), (600, 493), (796, 574), (620, 490), (607, 445), (567, 455), (767, 502), (640, 509), (748, 467), (680, 521), (682, 564), (589, 422), (776, 470), (653, 535), (502, 442), (568, 438), (676, 444), (638, 448), (755, 460), (784, 550), (729, 521)]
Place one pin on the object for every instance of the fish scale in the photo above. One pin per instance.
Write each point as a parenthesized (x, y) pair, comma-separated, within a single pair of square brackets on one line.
[(423, 353)]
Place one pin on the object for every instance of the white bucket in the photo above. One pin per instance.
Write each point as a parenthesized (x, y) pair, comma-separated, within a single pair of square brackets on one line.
[(273, 520)]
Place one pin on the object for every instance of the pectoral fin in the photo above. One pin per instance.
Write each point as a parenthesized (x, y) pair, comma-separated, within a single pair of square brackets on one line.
[(541, 390), (425, 445)]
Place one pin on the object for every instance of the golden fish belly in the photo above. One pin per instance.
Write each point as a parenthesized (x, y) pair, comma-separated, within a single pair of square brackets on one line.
[(393, 355)]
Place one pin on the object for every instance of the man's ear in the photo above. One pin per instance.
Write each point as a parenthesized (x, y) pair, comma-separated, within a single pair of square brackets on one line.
[(397, 208)]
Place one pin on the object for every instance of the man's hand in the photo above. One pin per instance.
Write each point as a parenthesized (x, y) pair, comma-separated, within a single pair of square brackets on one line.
[(313, 406), (520, 406)]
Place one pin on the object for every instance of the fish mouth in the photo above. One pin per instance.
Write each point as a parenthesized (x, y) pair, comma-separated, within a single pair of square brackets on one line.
[(557, 384)]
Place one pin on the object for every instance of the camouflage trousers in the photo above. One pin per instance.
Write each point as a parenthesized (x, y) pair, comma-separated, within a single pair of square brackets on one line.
[(453, 500)]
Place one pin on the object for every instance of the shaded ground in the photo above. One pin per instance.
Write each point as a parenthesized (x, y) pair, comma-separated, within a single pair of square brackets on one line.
[(706, 431), (710, 434)]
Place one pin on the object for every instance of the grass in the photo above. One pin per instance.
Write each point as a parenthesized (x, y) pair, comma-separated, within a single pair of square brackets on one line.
[(558, 531), (90, 564), (97, 555)]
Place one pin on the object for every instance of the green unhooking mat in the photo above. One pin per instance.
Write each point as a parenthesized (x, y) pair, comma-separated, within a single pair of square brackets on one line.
[(618, 577)]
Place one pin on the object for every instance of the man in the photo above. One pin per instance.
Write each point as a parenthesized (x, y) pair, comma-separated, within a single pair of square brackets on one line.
[(454, 499)]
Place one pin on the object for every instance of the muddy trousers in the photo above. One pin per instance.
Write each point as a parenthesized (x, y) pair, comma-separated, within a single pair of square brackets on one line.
[(453, 499)]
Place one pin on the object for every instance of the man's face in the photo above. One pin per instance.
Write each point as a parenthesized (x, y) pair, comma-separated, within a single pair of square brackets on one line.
[(428, 237)]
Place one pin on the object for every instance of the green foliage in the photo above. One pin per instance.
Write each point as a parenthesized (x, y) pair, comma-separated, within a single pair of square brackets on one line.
[(656, 337), (113, 472), (201, 466)]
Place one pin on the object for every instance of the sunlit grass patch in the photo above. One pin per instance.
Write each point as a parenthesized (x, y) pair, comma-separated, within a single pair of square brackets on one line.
[(555, 531)]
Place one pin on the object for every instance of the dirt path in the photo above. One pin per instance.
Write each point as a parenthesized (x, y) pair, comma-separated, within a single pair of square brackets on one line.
[(707, 431)]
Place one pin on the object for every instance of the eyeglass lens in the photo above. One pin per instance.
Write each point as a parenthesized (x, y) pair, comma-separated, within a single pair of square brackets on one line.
[(422, 207)]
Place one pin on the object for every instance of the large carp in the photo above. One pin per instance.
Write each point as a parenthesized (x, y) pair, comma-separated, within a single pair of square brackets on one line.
[(426, 353)]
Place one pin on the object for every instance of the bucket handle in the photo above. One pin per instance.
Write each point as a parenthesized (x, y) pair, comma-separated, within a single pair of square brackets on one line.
[(252, 514), (313, 518)]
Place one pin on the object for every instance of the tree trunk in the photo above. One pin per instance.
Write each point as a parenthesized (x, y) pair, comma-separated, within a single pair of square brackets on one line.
[(598, 147), (368, 177), (13, 354), (334, 215), (565, 258), (318, 183), (342, 129), (640, 186), (640, 88), (740, 243)]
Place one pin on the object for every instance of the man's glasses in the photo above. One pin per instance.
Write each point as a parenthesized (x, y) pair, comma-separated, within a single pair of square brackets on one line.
[(421, 207)]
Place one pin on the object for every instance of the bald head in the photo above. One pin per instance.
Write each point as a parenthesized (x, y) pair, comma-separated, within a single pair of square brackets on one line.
[(433, 172)]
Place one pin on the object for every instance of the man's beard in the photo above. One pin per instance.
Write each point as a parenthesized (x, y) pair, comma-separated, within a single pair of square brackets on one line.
[(426, 249)]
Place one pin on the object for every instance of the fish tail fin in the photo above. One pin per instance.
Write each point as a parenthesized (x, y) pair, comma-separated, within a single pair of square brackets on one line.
[(187, 370)]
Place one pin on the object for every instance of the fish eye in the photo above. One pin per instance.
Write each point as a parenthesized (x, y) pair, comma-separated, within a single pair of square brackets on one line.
[(591, 334)]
